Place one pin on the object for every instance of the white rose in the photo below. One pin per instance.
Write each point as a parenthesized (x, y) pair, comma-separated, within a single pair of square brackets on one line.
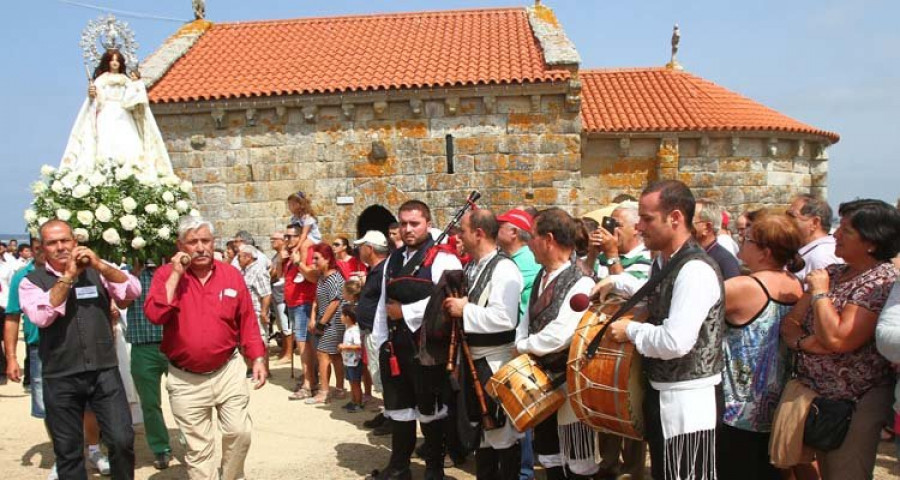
[(147, 180), (96, 179), (111, 236), (69, 180), (81, 190), (163, 233), (194, 212), (129, 204), (181, 206), (186, 186), (30, 215), (47, 170), (57, 186), (42, 220), (171, 181), (128, 222), (81, 235), (138, 243), (103, 214), (151, 208), (124, 173), (168, 197), (85, 217), (63, 214), (38, 188), (172, 215)]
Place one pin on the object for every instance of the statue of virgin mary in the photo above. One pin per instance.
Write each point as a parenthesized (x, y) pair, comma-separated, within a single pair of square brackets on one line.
[(115, 121)]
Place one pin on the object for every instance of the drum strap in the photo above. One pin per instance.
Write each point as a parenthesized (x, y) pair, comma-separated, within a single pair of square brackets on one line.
[(676, 261)]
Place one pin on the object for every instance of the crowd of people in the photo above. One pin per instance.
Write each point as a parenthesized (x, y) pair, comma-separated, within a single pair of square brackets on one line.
[(771, 353)]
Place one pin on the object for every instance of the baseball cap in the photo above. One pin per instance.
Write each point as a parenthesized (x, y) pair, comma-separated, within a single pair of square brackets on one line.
[(373, 237), (519, 218)]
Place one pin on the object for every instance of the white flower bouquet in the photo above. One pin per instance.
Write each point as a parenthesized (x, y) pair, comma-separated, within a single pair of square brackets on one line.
[(116, 210)]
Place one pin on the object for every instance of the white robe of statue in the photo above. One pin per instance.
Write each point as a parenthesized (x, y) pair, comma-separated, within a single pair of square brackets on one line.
[(117, 124)]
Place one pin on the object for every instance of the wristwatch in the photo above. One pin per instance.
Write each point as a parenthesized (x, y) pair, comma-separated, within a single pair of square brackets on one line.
[(613, 261), (817, 296)]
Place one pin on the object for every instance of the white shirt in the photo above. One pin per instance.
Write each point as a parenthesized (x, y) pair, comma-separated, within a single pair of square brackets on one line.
[(351, 337), (413, 312), (626, 284), (693, 296), (727, 242), (557, 335), (501, 310), (817, 254)]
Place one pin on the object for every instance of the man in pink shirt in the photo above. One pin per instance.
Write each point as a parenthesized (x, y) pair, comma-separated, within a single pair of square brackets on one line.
[(69, 299), (208, 321)]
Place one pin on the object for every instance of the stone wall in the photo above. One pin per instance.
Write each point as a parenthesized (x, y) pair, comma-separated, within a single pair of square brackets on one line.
[(745, 172), (515, 145)]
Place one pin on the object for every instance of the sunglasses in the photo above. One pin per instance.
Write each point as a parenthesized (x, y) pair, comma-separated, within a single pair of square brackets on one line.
[(288, 236)]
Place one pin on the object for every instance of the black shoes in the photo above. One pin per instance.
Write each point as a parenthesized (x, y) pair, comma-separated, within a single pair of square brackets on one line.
[(375, 422), (161, 460)]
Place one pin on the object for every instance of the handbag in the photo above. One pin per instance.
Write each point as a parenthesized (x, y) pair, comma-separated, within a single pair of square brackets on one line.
[(827, 423)]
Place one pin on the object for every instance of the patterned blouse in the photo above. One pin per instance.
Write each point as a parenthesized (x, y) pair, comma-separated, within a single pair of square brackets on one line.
[(850, 375), (756, 367)]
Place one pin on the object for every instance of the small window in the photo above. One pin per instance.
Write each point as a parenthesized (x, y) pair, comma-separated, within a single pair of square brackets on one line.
[(449, 139)]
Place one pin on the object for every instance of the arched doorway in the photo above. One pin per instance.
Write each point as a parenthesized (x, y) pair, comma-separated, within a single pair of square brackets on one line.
[(374, 217)]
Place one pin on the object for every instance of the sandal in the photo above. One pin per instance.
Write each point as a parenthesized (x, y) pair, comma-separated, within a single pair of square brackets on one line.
[(316, 400), (302, 393)]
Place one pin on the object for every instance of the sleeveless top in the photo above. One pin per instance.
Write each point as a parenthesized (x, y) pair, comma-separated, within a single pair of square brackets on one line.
[(756, 367)]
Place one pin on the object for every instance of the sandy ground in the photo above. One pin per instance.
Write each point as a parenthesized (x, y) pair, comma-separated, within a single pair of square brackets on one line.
[(290, 441)]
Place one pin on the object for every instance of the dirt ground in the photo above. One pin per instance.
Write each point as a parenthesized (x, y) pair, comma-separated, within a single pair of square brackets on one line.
[(290, 441)]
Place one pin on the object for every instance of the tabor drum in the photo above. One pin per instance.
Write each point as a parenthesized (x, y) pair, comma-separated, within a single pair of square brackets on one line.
[(526, 393), (606, 391)]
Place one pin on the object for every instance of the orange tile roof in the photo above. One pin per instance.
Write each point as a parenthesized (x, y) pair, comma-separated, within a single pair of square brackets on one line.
[(664, 100), (358, 53)]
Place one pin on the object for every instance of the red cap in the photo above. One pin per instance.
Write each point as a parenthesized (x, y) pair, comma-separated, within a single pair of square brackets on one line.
[(518, 217), (725, 219)]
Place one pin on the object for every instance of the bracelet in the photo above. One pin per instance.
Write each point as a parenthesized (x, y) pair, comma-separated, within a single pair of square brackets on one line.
[(259, 360), (66, 280), (800, 339), (817, 296)]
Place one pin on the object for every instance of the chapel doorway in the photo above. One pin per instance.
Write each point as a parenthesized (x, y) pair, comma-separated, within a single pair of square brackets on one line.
[(374, 217)]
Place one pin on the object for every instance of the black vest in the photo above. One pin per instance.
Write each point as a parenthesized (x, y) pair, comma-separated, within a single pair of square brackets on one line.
[(545, 308), (475, 292), (368, 297), (706, 358), (82, 339), (404, 285)]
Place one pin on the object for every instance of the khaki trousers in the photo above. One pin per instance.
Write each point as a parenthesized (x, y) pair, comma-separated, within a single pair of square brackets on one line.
[(194, 399)]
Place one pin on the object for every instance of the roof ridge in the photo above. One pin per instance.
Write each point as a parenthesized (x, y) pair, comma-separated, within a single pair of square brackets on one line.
[(409, 14), (629, 69)]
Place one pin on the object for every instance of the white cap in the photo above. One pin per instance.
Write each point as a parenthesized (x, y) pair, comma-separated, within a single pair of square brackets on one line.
[(373, 237)]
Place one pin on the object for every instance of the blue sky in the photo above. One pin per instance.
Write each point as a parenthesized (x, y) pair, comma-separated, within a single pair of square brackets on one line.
[(832, 64)]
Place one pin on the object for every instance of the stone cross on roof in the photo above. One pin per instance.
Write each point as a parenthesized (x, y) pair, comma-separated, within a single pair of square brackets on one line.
[(676, 38)]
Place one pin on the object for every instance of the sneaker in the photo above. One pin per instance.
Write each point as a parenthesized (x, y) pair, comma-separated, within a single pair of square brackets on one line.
[(347, 405), (355, 407), (54, 475), (99, 461), (375, 422), (161, 460)]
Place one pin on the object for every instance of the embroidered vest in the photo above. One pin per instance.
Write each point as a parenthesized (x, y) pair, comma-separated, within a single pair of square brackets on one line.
[(479, 290), (82, 339), (706, 358), (544, 308)]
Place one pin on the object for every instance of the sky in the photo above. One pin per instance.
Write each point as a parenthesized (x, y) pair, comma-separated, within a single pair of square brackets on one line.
[(833, 64)]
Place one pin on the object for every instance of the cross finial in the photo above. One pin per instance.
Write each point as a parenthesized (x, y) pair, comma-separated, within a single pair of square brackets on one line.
[(676, 37)]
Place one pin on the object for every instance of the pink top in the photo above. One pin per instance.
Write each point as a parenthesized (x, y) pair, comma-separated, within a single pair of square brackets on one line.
[(36, 302)]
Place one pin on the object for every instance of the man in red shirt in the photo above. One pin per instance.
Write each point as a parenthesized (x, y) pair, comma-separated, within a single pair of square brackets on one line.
[(300, 279), (207, 317)]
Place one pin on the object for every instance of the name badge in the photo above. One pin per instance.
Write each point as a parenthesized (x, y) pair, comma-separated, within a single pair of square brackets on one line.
[(228, 292), (82, 293)]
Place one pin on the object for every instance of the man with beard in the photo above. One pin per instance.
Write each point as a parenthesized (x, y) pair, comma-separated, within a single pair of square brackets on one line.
[(411, 391), (561, 442), (681, 342), (208, 319), (490, 313)]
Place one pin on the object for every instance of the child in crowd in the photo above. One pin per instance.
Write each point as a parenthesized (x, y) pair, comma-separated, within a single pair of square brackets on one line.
[(351, 351), (303, 216)]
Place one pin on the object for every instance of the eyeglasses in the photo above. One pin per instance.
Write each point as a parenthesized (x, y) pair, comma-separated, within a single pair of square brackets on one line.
[(289, 236)]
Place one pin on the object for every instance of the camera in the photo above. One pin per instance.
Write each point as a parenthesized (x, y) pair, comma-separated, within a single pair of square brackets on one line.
[(609, 224)]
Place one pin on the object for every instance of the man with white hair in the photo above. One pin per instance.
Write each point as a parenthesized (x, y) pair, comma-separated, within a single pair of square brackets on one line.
[(623, 265), (258, 284), (207, 316), (707, 222)]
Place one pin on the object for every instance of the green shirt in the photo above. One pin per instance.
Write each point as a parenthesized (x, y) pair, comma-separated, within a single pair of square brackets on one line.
[(139, 329), (524, 259), (32, 335)]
